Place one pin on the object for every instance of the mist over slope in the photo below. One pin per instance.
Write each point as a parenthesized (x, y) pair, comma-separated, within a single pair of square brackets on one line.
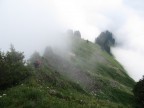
[(30, 24), (82, 76)]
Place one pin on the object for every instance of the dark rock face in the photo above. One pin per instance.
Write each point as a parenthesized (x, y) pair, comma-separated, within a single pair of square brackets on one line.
[(72, 33), (105, 40), (77, 34)]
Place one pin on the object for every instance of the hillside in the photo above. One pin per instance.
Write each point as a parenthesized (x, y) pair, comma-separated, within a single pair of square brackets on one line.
[(83, 77)]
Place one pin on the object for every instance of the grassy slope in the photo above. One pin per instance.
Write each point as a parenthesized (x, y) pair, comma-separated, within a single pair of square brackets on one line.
[(90, 79)]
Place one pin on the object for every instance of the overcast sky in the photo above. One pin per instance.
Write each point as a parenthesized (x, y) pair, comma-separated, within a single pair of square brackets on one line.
[(31, 24)]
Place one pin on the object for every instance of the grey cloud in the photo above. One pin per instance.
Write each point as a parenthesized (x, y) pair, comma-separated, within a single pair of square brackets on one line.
[(33, 24)]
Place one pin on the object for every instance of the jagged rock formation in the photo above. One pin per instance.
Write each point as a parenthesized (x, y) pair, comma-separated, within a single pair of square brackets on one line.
[(74, 33), (105, 40), (77, 34)]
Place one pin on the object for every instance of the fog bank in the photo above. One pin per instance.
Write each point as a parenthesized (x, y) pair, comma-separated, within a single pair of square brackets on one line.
[(122, 17), (34, 24), (29, 25)]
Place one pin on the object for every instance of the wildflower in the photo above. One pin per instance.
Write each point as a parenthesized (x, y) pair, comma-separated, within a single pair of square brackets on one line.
[(4, 94), (52, 92), (81, 101)]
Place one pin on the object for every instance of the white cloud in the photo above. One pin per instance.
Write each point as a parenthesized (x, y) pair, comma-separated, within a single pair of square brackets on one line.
[(132, 61), (123, 18), (29, 24)]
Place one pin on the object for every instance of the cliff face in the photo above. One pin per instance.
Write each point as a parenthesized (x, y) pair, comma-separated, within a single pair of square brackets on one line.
[(84, 76), (105, 40)]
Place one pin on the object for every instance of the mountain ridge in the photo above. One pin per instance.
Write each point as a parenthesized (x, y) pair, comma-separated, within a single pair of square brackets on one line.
[(84, 76)]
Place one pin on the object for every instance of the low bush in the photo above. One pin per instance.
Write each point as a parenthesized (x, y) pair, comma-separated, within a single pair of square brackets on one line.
[(139, 91), (12, 68)]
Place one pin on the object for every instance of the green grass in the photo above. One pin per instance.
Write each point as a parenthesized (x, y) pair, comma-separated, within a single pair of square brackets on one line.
[(91, 79), (24, 96)]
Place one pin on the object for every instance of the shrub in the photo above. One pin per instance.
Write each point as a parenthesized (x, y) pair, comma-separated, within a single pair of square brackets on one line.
[(12, 68), (139, 91)]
